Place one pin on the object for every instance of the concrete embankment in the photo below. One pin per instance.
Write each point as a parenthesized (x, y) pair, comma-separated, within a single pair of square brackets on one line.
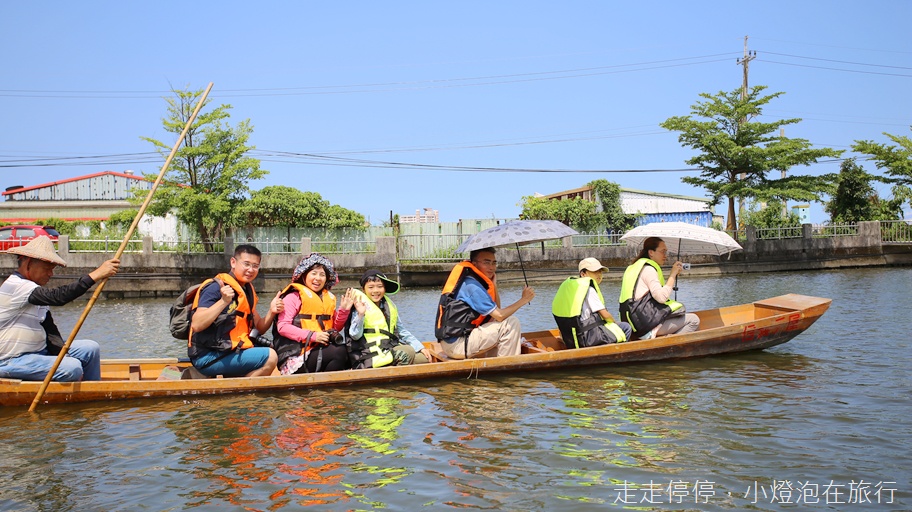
[(165, 274)]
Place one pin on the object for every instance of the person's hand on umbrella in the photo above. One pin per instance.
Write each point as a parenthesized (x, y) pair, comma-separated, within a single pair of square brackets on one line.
[(528, 294)]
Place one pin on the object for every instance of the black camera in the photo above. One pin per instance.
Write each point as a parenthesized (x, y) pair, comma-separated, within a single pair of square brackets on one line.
[(335, 337), (260, 341)]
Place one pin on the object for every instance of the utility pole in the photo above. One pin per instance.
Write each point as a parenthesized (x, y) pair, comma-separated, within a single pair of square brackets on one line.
[(784, 202), (744, 62)]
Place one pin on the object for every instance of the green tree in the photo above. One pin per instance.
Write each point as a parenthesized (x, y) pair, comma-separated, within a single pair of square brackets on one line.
[(210, 173), (582, 214), (289, 207), (855, 199), (769, 216), (123, 218), (612, 216), (576, 212), (339, 217), (896, 160), (731, 142)]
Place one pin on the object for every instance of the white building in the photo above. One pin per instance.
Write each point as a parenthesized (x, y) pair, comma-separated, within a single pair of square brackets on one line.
[(83, 198), (652, 206), (429, 215)]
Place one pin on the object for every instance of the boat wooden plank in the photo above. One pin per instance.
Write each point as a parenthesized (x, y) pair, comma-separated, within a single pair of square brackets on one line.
[(732, 329)]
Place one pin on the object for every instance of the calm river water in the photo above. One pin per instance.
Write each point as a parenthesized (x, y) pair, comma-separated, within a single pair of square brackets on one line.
[(820, 423)]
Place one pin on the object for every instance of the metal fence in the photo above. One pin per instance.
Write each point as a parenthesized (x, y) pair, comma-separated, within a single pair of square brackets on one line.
[(596, 239), (328, 241), (739, 235), (187, 246), (283, 245), (833, 230), (430, 247), (779, 233), (342, 246), (896, 231), (441, 246), (105, 245)]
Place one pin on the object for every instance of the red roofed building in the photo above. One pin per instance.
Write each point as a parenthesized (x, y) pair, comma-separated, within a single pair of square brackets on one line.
[(90, 197)]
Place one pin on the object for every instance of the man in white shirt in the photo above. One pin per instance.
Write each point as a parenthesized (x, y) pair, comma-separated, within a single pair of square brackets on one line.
[(29, 339)]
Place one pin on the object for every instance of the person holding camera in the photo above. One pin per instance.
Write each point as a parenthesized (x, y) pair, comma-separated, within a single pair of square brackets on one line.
[(306, 335), (645, 301), (224, 322)]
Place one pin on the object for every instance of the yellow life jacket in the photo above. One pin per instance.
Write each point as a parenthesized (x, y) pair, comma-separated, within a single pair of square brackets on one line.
[(379, 334), (644, 314), (567, 308)]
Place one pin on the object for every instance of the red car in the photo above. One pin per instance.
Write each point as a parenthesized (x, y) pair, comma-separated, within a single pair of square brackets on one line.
[(13, 236)]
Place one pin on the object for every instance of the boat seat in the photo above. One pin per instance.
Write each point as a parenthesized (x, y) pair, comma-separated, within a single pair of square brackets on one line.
[(534, 347)]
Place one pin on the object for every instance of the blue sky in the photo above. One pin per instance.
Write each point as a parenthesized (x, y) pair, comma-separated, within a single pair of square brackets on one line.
[(541, 86)]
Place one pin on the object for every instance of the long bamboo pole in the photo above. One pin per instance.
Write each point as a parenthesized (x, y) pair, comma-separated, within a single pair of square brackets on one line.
[(120, 250)]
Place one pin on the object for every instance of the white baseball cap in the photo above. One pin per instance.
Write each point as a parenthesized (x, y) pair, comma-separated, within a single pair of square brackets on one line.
[(592, 265)]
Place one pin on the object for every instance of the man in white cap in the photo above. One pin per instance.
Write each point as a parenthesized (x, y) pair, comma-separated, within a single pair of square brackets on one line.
[(580, 312), (29, 340)]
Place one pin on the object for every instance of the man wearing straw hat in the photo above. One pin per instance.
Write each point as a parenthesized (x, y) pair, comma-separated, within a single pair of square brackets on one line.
[(29, 340)]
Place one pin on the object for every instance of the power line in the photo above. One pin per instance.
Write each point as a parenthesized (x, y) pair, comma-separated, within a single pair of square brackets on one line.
[(837, 61), (66, 158), (801, 113), (834, 46), (490, 145), (333, 161), (835, 69), (385, 86), (71, 164), (354, 162), (843, 122)]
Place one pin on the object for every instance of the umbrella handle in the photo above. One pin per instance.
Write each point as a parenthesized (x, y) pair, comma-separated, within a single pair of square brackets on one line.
[(518, 252)]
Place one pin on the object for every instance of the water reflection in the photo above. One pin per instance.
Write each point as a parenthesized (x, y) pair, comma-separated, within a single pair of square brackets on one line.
[(375, 422), (227, 446), (484, 435), (25, 462), (310, 448)]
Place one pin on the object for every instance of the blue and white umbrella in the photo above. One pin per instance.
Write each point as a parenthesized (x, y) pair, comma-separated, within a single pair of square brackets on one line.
[(517, 232)]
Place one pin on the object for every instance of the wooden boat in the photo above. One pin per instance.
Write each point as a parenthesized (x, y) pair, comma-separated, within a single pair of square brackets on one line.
[(754, 326)]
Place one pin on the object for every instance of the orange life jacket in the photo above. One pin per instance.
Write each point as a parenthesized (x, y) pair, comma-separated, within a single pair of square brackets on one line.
[(454, 317), (316, 311), (231, 329), (315, 314)]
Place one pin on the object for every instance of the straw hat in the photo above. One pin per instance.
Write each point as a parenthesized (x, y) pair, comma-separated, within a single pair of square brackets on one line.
[(41, 248)]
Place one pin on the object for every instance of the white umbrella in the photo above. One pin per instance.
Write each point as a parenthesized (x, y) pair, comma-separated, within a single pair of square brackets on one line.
[(517, 232), (688, 238)]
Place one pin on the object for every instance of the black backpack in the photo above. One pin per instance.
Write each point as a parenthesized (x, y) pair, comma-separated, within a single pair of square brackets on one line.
[(182, 309)]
